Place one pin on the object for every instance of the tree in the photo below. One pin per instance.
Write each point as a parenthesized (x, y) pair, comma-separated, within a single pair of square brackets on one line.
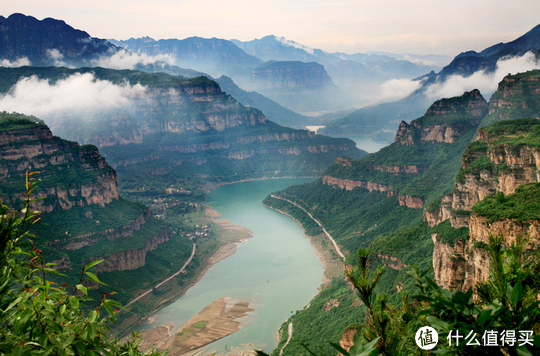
[(504, 314), (36, 315)]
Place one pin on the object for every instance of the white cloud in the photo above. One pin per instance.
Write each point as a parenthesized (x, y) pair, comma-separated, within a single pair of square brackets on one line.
[(485, 82), (23, 61), (56, 57), (129, 60), (396, 89), (290, 43), (76, 93)]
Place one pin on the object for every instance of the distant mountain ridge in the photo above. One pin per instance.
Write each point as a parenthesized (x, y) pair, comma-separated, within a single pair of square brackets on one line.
[(381, 117), (25, 36), (25, 40), (212, 55), (467, 63)]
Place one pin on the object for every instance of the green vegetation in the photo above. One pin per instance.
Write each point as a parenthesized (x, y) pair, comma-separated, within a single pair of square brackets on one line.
[(522, 205), (360, 218), (324, 320), (517, 98), (447, 234), (509, 135), (507, 304), (15, 121), (39, 317), (514, 133)]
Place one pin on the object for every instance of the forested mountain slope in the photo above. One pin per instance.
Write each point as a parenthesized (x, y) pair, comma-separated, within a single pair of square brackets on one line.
[(494, 192)]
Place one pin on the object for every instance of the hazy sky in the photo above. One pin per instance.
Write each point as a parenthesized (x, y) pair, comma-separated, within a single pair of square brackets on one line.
[(399, 26)]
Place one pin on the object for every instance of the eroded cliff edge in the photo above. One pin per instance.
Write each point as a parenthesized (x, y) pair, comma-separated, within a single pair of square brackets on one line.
[(495, 193), (86, 217)]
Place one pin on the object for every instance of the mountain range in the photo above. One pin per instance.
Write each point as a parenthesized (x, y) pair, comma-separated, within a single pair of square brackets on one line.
[(375, 120), (463, 171), (121, 145)]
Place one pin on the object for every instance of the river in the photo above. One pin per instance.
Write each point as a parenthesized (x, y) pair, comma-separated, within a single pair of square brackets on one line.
[(277, 270), (364, 143)]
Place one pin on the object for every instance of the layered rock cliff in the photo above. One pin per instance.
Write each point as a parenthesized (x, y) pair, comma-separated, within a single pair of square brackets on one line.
[(86, 217), (415, 157), (186, 121), (290, 75), (72, 175), (445, 121), (517, 97), (497, 169)]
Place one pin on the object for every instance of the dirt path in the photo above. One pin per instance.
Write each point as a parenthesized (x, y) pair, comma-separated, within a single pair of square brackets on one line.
[(289, 337), (166, 280), (338, 251)]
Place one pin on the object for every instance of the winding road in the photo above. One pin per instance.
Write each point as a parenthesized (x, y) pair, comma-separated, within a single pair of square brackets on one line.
[(289, 337), (166, 280), (318, 222)]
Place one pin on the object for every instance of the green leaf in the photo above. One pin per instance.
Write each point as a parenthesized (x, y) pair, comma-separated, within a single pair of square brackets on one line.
[(522, 351), (74, 303), (92, 316), (92, 331), (517, 294), (93, 277), (461, 298), (483, 317), (109, 308), (17, 351), (339, 348), (92, 264), (12, 304), (437, 323), (82, 289)]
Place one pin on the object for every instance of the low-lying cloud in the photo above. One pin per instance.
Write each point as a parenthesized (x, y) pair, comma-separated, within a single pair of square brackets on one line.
[(396, 89), (485, 82), (23, 61), (124, 59), (79, 92)]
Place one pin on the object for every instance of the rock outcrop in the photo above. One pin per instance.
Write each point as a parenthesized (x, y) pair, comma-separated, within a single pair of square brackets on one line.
[(193, 120), (517, 96), (351, 184), (410, 201), (75, 182), (444, 120), (28, 146), (504, 158)]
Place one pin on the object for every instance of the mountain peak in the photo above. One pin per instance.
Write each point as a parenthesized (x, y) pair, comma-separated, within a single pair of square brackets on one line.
[(26, 36)]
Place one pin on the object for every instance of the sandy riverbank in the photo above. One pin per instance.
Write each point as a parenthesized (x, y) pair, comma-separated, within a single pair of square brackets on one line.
[(160, 337), (231, 246), (220, 318)]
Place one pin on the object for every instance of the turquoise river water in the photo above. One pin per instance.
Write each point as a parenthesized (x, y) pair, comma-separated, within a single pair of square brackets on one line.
[(277, 270)]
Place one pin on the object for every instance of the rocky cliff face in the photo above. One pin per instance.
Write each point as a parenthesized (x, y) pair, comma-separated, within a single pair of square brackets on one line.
[(517, 97), (131, 258), (411, 161), (439, 124), (183, 107), (75, 180), (504, 158), (290, 75), (192, 117), (32, 147), (348, 184)]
